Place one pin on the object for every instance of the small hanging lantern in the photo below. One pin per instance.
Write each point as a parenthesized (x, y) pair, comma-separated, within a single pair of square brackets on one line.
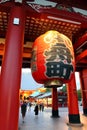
[(52, 61)]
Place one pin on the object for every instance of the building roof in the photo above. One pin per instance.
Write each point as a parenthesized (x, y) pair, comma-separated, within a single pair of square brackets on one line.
[(45, 95), (36, 94)]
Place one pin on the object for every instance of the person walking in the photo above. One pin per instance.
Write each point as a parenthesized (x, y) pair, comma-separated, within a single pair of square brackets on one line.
[(29, 105), (36, 109), (41, 107), (23, 110)]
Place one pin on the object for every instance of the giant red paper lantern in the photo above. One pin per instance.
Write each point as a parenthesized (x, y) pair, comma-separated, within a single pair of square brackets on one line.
[(52, 61)]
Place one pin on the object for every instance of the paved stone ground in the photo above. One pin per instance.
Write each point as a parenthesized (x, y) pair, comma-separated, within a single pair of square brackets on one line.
[(44, 121)]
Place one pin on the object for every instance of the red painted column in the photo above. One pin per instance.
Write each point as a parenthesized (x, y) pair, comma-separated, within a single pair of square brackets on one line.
[(55, 112), (73, 108), (83, 81), (11, 71)]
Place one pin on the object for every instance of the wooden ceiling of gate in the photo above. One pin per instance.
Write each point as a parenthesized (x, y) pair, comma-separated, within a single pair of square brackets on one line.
[(38, 21)]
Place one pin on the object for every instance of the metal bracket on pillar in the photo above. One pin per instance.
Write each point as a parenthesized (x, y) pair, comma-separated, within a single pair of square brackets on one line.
[(16, 21), (76, 125), (55, 114), (74, 120)]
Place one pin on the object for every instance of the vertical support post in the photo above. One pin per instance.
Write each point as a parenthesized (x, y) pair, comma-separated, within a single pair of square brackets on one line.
[(83, 82), (74, 117), (55, 112), (11, 70)]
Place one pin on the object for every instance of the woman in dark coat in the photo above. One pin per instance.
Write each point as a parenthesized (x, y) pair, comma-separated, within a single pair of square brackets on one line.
[(36, 109), (23, 110)]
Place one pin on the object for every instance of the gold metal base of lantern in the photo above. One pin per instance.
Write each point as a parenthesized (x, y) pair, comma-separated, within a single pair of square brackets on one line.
[(53, 84)]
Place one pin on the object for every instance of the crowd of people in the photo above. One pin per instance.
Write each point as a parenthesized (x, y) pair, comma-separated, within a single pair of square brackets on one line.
[(27, 106)]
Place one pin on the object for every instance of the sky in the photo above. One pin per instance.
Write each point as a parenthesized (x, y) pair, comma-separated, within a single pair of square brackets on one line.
[(28, 83)]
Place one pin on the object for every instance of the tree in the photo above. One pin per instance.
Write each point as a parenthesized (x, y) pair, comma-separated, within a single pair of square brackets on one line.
[(64, 89), (79, 94), (48, 89)]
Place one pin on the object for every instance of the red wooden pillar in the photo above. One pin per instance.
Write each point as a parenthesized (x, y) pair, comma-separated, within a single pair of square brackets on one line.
[(74, 116), (55, 112), (83, 81), (11, 70)]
